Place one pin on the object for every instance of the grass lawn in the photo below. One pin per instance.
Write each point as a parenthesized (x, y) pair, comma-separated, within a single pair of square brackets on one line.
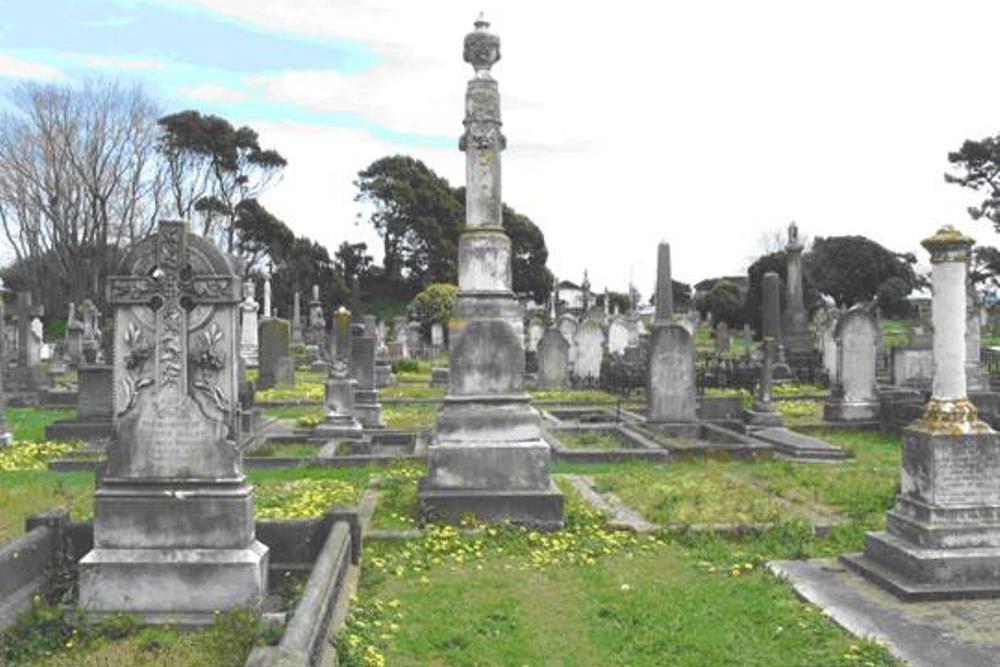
[(592, 440), (27, 492), (287, 449), (895, 333), (590, 596), (30, 423), (708, 491)]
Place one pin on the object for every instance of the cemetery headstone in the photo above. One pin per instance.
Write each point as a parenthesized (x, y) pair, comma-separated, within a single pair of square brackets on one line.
[(74, 336), (316, 334), (855, 397), (367, 407), (567, 326), (248, 325), (340, 420), (296, 319), (489, 457), (764, 414), (796, 337), (91, 336), (941, 539), (535, 329), (618, 335), (670, 382), (173, 516), (268, 307), (977, 379), (589, 352), (276, 365), (722, 340)]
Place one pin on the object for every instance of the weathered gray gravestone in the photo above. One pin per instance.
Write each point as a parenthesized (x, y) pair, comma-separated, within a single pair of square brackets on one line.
[(976, 377), (489, 457), (296, 319), (95, 407), (367, 407), (618, 335), (316, 333), (276, 363), (340, 421), (664, 285), (74, 333), (796, 337), (553, 360), (670, 382), (942, 539), (855, 397), (536, 329), (6, 438), (173, 521), (589, 352), (722, 339), (764, 413), (567, 325), (248, 326)]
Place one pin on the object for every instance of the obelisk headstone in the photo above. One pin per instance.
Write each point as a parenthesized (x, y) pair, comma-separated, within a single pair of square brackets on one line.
[(942, 539), (296, 320), (764, 413), (670, 380), (664, 285), (489, 457), (173, 515)]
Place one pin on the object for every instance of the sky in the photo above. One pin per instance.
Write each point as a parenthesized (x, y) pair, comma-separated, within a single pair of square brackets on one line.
[(706, 124)]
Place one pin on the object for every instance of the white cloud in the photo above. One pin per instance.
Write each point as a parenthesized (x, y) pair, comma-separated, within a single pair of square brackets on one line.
[(703, 123), (210, 92), (17, 68), (124, 63)]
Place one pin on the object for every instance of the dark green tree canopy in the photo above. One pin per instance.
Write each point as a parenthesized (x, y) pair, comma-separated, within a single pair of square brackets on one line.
[(724, 300), (851, 269), (778, 263)]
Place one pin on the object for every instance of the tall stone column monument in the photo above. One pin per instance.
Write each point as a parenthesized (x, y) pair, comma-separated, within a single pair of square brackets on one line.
[(942, 539), (173, 516), (796, 337), (488, 458)]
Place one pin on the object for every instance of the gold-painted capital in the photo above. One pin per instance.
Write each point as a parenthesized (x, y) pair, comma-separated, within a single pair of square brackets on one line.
[(951, 417), (949, 245)]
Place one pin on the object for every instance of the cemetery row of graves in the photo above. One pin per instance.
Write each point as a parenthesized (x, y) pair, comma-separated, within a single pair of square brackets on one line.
[(195, 480)]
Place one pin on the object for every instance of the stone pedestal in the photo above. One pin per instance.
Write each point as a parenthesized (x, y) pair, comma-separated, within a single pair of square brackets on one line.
[(488, 458), (339, 421), (367, 407), (94, 417)]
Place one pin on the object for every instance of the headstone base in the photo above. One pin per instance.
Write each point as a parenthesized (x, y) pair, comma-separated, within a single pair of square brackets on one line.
[(762, 416), (174, 586), (538, 508), (368, 410), (836, 410), (384, 376), (942, 539)]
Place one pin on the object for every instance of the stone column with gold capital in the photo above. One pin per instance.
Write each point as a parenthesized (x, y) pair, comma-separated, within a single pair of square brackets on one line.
[(942, 538), (488, 457)]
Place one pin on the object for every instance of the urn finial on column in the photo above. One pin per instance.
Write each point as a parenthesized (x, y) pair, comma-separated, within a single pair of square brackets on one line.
[(482, 48)]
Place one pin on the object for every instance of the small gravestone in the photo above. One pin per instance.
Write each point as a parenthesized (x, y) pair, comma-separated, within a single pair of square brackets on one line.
[(27, 376), (6, 438), (383, 366), (553, 360), (173, 516), (74, 336), (414, 340), (855, 397), (828, 346), (316, 333), (339, 420), (367, 407), (95, 407), (276, 363), (534, 333), (567, 325), (268, 308), (589, 352), (722, 340), (618, 335), (92, 336), (670, 385), (437, 336), (249, 345), (296, 319)]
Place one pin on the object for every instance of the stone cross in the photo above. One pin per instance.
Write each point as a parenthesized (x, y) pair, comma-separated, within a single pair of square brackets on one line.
[(664, 285), (171, 292)]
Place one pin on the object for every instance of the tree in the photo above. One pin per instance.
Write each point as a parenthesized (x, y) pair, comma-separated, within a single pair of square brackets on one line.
[(434, 304), (681, 292), (978, 168), (528, 254), (619, 300), (724, 300), (304, 264), (79, 183), (851, 269), (418, 216), (260, 234), (212, 168), (353, 260)]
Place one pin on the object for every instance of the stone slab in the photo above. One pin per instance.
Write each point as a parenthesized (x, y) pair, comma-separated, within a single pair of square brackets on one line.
[(797, 445), (539, 508), (956, 634)]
